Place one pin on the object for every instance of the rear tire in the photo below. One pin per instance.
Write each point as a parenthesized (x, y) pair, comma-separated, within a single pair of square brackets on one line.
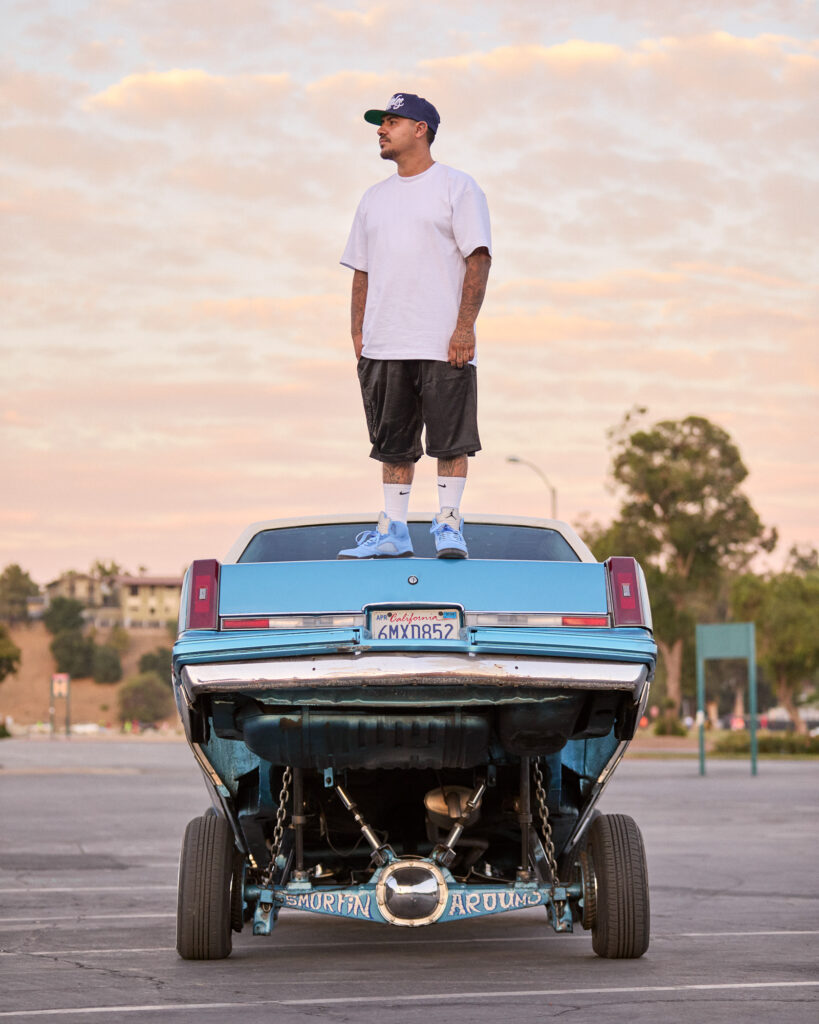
[(622, 921), (203, 908), (239, 913)]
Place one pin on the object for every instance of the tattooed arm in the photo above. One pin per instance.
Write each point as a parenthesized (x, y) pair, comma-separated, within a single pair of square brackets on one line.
[(358, 304), (462, 342)]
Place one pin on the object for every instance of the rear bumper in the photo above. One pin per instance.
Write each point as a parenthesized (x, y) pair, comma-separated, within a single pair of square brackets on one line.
[(439, 672)]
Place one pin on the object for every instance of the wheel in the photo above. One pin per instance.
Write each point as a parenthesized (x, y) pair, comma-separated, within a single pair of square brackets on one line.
[(203, 910), (238, 912), (620, 929)]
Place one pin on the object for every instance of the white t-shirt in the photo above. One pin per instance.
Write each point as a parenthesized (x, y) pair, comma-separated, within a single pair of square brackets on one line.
[(412, 236)]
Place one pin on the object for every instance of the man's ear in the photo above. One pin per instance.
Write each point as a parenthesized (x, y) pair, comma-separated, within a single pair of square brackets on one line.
[(420, 129)]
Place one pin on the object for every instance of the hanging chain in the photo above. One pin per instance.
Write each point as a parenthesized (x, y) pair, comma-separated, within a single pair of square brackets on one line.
[(278, 831), (546, 825)]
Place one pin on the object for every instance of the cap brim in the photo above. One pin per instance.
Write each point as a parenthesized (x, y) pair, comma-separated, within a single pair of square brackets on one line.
[(377, 116)]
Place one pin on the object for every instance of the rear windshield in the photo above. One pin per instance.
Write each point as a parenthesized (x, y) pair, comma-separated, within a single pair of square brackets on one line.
[(321, 543)]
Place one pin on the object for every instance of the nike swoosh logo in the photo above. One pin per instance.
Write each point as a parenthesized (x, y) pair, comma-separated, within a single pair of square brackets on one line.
[(403, 492), (443, 486)]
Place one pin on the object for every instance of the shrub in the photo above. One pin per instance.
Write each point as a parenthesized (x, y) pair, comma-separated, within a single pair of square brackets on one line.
[(158, 661), (669, 725), (4, 733), (9, 654), (119, 638), (74, 653), (144, 698), (63, 615), (106, 666), (739, 742)]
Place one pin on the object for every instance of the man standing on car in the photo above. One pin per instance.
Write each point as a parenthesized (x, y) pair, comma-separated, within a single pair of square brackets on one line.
[(420, 248)]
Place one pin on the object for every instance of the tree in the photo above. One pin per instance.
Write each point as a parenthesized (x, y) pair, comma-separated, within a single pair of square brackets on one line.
[(105, 664), (783, 608), (802, 559), (74, 653), (684, 517), (9, 654), (16, 587), (106, 573), (158, 661), (63, 615), (119, 638), (144, 698)]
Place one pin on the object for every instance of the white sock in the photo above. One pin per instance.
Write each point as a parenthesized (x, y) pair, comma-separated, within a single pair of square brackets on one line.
[(450, 491), (396, 501)]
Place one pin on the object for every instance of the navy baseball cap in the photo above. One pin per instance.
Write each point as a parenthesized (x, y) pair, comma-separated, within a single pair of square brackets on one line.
[(407, 104)]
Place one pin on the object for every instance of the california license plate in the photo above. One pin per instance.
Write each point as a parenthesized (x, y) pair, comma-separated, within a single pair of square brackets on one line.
[(433, 624)]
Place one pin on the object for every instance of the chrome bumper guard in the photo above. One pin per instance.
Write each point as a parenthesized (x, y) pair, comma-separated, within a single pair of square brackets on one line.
[(412, 670)]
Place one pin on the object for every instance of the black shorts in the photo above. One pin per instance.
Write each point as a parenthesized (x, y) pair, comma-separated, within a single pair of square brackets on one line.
[(403, 395)]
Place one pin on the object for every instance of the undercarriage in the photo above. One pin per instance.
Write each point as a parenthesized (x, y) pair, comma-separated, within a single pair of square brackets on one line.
[(460, 800)]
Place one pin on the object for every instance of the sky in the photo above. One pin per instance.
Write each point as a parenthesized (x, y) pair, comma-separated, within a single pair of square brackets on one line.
[(177, 181)]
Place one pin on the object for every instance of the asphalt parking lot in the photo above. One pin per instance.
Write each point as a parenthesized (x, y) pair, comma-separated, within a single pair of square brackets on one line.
[(89, 845)]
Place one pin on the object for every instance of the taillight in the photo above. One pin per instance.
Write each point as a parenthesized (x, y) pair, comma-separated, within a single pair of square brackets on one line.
[(627, 593), (203, 604), (542, 620)]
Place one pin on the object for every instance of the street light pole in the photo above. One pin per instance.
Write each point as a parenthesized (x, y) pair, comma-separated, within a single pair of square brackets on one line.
[(543, 477)]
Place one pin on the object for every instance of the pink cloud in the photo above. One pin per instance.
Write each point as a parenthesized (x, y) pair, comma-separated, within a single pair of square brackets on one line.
[(35, 93), (356, 21), (96, 54), (153, 97), (56, 146)]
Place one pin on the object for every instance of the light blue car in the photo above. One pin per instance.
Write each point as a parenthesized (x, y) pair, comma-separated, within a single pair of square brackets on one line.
[(412, 741)]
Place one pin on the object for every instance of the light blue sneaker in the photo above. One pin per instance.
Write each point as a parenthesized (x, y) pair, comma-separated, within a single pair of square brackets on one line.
[(387, 540), (446, 528)]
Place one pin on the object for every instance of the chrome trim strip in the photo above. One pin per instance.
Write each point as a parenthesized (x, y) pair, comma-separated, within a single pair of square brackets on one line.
[(616, 758), (359, 615), (414, 669), (402, 605), (309, 620), (598, 788), (206, 766), (521, 620)]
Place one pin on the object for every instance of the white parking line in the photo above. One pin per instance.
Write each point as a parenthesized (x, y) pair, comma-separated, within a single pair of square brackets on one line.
[(407, 944), (88, 952), (708, 935), (69, 770), (635, 990), (125, 915), (134, 887), (424, 997)]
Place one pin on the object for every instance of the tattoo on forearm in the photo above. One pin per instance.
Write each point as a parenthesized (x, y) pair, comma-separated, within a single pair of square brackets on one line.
[(474, 287), (359, 301)]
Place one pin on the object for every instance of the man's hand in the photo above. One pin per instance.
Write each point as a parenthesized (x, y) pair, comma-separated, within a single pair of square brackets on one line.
[(461, 346), (462, 342), (358, 344)]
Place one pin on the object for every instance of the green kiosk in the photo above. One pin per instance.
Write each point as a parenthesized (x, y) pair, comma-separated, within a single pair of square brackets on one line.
[(729, 640)]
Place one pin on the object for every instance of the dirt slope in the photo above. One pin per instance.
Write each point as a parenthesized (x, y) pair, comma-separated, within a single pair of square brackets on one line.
[(25, 696)]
